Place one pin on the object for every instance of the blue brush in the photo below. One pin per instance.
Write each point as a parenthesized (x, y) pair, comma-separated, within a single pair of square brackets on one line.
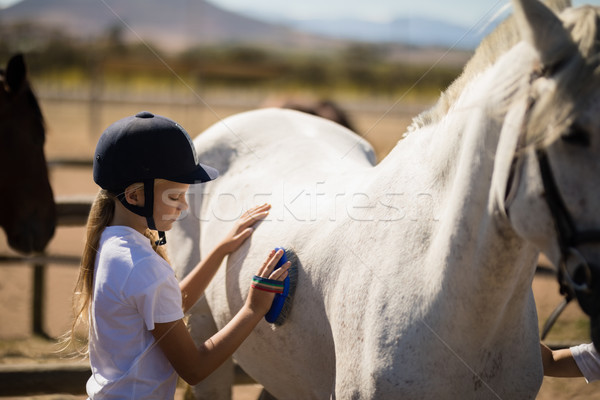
[(275, 316)]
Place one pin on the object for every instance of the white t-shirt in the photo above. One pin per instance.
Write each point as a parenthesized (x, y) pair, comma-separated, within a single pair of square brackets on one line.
[(133, 289), (588, 361)]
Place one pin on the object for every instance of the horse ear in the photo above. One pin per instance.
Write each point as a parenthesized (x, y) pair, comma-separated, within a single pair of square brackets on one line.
[(544, 30), (16, 72)]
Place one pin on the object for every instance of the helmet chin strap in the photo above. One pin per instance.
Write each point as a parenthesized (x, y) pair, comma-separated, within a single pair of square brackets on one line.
[(147, 210)]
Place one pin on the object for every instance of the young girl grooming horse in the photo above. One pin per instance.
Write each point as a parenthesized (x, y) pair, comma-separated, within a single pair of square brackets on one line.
[(138, 341)]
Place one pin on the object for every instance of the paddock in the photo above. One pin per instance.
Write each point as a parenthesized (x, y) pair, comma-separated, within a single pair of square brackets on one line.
[(70, 136)]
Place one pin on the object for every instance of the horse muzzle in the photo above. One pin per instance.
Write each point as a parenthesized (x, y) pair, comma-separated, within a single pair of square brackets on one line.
[(31, 236)]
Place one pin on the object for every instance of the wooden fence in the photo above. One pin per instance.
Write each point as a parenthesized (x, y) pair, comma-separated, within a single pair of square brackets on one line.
[(70, 211), (71, 377), (63, 378)]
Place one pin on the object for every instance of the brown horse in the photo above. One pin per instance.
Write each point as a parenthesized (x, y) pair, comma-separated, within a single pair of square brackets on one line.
[(27, 208)]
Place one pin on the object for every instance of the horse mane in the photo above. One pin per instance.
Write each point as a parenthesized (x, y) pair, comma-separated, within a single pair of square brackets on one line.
[(502, 39)]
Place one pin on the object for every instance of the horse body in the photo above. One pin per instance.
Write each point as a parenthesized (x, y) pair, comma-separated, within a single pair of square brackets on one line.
[(27, 209), (414, 276), (409, 236)]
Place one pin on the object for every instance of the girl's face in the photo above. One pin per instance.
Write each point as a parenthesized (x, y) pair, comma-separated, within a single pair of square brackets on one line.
[(169, 202)]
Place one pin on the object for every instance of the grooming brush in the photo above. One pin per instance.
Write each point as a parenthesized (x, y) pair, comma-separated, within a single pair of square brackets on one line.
[(282, 302)]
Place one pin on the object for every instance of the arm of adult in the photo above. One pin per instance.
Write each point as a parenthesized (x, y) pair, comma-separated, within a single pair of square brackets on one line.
[(192, 363), (195, 283)]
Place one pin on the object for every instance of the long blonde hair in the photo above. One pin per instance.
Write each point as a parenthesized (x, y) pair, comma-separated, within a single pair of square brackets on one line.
[(101, 215)]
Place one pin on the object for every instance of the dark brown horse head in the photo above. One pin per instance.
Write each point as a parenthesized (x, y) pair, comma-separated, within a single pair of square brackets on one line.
[(27, 208)]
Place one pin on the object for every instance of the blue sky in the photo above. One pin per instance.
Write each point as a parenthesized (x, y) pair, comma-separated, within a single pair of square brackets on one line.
[(463, 12)]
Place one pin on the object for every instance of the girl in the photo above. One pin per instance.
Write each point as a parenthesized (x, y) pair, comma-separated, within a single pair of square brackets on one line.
[(138, 341)]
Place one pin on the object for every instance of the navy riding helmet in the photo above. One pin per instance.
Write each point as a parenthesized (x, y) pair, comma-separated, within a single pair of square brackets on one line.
[(143, 148)]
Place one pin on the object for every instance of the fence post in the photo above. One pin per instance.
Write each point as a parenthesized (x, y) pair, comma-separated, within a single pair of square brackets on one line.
[(39, 272)]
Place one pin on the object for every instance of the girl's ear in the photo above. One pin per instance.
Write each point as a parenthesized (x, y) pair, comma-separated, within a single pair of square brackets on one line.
[(134, 194)]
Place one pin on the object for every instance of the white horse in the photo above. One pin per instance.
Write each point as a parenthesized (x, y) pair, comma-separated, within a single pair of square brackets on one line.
[(414, 275)]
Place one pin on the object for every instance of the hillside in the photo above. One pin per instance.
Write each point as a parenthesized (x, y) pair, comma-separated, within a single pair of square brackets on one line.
[(172, 25)]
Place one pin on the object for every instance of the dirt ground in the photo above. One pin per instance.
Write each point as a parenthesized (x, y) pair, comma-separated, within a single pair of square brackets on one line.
[(73, 129)]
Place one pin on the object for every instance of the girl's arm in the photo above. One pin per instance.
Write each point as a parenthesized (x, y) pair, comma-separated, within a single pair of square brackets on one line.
[(194, 364), (194, 284), (559, 363)]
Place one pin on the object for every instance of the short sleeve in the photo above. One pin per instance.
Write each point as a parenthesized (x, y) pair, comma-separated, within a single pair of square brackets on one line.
[(587, 359), (154, 291)]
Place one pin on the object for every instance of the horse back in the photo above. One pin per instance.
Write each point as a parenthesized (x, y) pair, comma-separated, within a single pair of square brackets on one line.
[(268, 136)]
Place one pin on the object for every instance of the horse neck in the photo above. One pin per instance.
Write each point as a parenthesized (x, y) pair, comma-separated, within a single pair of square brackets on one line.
[(458, 170)]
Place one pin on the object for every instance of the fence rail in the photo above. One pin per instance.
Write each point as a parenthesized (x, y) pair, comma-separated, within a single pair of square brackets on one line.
[(73, 210), (28, 379), (63, 377)]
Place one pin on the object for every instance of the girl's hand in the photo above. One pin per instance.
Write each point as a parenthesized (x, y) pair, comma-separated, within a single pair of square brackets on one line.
[(243, 228), (260, 301)]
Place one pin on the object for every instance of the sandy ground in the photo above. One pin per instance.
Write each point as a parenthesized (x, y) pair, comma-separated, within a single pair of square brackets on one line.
[(73, 132)]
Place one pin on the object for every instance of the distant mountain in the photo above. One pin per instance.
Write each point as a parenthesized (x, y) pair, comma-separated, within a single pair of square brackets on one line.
[(170, 24), (413, 31), (174, 25)]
